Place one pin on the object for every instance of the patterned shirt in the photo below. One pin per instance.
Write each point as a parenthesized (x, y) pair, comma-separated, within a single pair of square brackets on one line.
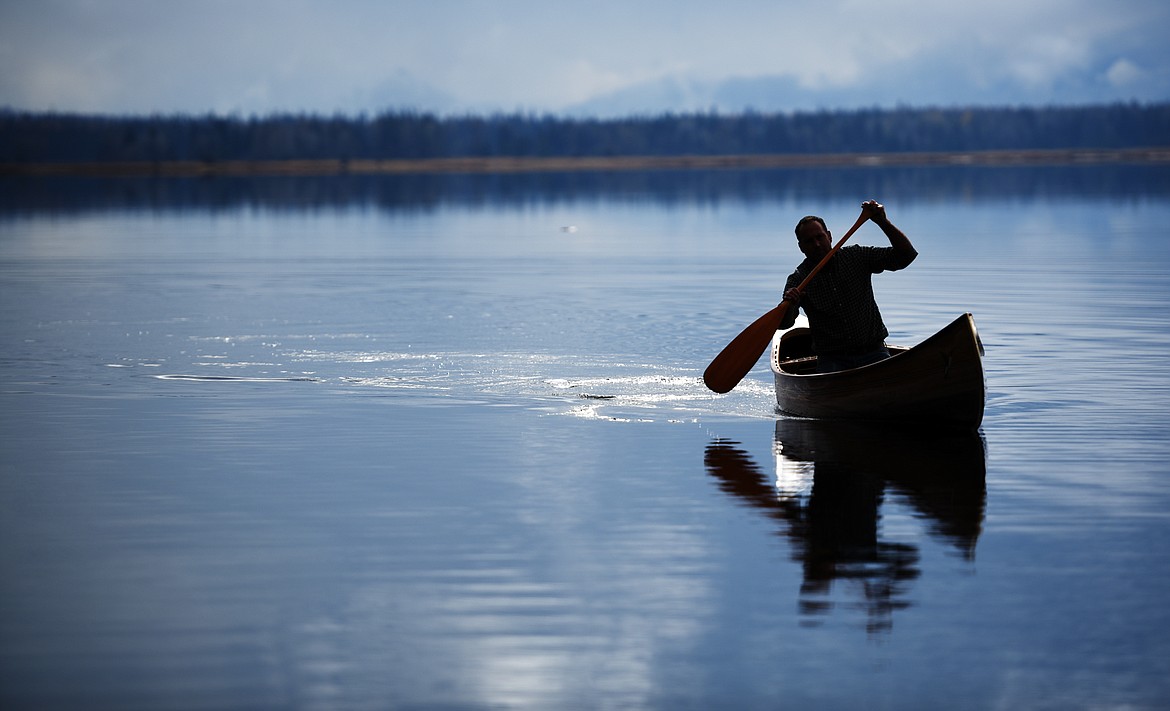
[(839, 302)]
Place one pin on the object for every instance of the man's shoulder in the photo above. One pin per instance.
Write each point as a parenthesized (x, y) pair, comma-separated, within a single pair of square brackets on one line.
[(858, 253)]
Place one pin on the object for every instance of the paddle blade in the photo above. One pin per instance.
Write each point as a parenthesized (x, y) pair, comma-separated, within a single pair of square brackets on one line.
[(740, 356)]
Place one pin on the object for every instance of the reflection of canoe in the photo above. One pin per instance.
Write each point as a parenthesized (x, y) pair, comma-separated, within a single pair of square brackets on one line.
[(941, 473), (939, 381), (827, 495)]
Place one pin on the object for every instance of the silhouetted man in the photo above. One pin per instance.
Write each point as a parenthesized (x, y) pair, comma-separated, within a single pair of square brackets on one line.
[(847, 327)]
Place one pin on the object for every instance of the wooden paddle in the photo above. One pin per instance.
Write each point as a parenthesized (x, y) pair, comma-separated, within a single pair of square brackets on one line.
[(740, 356)]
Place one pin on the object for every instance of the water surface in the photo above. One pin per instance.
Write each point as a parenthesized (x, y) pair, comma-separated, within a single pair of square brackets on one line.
[(455, 451)]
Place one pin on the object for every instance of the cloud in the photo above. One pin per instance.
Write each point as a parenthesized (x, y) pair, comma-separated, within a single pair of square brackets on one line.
[(354, 55), (1123, 73)]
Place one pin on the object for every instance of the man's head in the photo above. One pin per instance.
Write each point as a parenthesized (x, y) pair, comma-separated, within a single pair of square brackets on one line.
[(813, 237)]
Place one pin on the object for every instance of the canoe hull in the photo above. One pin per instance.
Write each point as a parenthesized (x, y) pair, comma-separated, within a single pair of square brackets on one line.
[(939, 381)]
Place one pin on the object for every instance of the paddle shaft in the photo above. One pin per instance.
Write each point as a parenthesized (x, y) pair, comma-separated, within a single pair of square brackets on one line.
[(740, 356)]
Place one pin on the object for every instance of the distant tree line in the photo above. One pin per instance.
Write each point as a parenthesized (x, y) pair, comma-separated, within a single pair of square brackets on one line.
[(58, 137)]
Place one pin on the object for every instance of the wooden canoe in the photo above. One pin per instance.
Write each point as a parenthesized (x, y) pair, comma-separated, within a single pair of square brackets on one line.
[(939, 381)]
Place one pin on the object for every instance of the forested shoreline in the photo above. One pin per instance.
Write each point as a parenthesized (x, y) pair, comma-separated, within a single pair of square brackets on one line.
[(57, 138)]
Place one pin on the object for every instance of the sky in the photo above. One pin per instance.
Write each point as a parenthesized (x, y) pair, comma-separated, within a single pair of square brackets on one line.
[(588, 57)]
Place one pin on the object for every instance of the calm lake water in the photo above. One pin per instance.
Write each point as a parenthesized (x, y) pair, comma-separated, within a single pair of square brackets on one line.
[(443, 443)]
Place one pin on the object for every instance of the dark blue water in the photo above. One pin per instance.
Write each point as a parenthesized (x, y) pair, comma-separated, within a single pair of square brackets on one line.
[(459, 455)]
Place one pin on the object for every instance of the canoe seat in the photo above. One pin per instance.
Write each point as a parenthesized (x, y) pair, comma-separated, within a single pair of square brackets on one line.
[(799, 366)]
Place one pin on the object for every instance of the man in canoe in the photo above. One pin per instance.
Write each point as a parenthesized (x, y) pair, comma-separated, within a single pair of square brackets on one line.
[(847, 327)]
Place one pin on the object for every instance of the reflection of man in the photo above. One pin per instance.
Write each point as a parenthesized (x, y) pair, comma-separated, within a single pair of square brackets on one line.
[(841, 543), (834, 532), (847, 327)]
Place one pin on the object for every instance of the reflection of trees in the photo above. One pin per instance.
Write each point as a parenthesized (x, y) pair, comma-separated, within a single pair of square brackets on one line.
[(423, 192), (831, 481)]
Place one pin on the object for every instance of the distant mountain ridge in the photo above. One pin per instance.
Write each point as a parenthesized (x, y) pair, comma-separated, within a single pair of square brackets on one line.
[(936, 83)]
